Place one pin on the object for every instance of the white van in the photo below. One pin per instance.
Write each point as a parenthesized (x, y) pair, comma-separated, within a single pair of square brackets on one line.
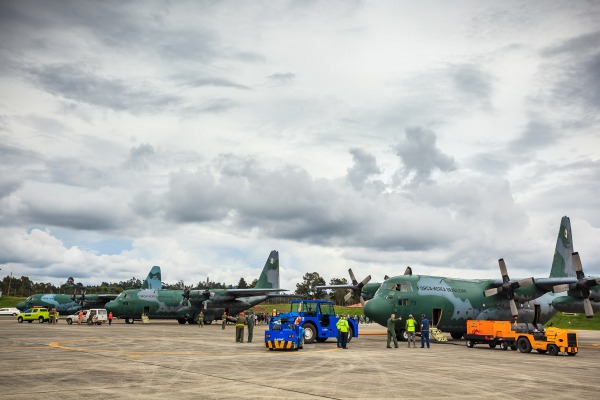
[(92, 316)]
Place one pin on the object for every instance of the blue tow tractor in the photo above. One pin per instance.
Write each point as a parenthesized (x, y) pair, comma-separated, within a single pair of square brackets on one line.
[(317, 318), (284, 336)]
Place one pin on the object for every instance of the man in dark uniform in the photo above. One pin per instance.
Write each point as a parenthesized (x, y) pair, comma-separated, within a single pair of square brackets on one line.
[(239, 328), (391, 330), (424, 331), (250, 327)]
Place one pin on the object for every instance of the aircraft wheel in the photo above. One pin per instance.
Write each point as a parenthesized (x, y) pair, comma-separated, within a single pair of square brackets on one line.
[(524, 345), (181, 321), (402, 335), (553, 350), (456, 335), (129, 320), (350, 334), (310, 332), (41, 320), (470, 343)]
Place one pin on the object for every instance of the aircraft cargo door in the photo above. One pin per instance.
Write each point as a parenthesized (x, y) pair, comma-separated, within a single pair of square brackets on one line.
[(436, 316)]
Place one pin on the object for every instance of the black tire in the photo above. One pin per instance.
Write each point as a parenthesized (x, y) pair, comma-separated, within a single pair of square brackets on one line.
[(402, 335), (181, 321), (470, 343), (456, 335), (310, 333), (350, 334), (41, 320), (492, 345), (514, 347), (129, 320), (20, 320), (30, 321), (69, 321), (504, 346), (524, 345), (553, 349)]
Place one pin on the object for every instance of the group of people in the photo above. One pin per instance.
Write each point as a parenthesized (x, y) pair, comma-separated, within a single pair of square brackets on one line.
[(411, 327), (241, 321)]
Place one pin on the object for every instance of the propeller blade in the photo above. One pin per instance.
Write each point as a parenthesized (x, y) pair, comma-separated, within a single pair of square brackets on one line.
[(513, 308), (503, 270), (492, 292), (561, 288), (408, 271), (362, 301), (525, 282), (352, 277), (364, 281), (578, 266), (587, 306), (348, 295)]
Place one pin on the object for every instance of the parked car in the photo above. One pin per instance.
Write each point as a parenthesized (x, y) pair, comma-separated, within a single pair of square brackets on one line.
[(39, 314), (9, 311)]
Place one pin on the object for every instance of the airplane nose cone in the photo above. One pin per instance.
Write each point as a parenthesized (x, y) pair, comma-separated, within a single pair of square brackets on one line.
[(21, 306), (110, 306), (378, 310)]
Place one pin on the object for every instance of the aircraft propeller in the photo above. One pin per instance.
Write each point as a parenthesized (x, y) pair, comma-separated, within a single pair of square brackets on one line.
[(81, 300), (357, 287), (583, 284), (508, 287)]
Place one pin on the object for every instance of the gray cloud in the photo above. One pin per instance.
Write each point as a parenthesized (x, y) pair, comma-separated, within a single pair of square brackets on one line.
[(365, 165), (473, 83), (420, 156)]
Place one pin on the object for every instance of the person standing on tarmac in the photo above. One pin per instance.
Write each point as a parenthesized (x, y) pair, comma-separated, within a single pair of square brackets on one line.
[(239, 328), (342, 326), (391, 330), (110, 318), (201, 319), (250, 327), (410, 330), (79, 317), (224, 320), (424, 331)]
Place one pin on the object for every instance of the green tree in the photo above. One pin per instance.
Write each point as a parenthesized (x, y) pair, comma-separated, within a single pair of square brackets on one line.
[(242, 284), (307, 286), (337, 295)]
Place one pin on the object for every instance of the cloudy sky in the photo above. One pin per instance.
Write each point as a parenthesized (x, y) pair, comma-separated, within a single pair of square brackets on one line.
[(201, 135)]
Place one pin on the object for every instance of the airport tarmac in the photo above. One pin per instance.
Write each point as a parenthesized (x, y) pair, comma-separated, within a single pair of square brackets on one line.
[(166, 360)]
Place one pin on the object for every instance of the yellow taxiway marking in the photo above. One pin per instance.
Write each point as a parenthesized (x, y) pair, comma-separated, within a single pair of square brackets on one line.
[(58, 345)]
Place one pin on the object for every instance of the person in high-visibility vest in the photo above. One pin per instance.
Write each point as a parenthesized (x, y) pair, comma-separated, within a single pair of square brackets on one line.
[(343, 327), (410, 330)]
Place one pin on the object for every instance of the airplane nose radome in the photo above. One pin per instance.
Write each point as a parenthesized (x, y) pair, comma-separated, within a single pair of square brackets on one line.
[(21, 306)]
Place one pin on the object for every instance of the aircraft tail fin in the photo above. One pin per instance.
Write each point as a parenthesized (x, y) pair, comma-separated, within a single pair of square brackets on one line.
[(153, 280), (269, 278), (562, 264)]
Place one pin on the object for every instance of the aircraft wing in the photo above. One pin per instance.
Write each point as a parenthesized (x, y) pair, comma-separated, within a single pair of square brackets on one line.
[(334, 287), (548, 284), (107, 297), (252, 292)]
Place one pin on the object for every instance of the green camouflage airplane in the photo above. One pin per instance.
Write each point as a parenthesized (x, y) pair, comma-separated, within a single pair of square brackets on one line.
[(185, 305), (71, 303), (450, 302)]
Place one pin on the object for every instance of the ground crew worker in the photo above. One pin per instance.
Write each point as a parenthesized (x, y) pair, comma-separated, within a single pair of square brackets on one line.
[(250, 327), (342, 326), (201, 319), (391, 330), (110, 318), (239, 328), (424, 331), (51, 316), (80, 317), (224, 320), (410, 330)]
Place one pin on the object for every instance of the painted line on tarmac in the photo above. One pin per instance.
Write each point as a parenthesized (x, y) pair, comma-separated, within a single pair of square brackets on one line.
[(59, 345)]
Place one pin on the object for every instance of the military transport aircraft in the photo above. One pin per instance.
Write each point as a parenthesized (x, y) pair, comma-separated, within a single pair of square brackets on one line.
[(450, 302), (71, 303), (185, 305)]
